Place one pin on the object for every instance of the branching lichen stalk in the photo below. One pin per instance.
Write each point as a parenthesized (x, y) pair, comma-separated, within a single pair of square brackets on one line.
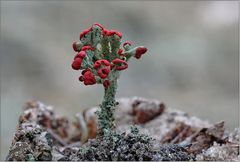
[(106, 112), (101, 58)]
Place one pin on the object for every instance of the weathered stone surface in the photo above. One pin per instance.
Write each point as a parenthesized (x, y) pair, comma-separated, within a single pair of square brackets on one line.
[(42, 135), (228, 151), (31, 142), (145, 110)]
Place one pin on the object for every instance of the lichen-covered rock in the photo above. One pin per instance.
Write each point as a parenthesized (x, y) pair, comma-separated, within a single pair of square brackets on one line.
[(31, 142), (19, 150), (130, 147), (42, 135), (228, 151), (220, 153), (234, 136), (43, 115), (159, 126)]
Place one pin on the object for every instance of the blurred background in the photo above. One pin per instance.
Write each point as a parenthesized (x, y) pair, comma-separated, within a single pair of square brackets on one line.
[(192, 62)]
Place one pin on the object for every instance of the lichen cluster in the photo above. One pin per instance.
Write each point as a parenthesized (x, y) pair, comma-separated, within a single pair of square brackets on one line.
[(130, 147), (101, 58), (31, 143)]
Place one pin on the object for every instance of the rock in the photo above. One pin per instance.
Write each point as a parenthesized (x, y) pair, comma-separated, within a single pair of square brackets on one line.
[(31, 142), (91, 121), (163, 134), (145, 110), (229, 151), (219, 152), (204, 138), (178, 134), (19, 150), (59, 127)]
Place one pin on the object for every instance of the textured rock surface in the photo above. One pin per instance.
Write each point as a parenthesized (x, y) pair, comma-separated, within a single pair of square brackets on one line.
[(31, 142), (221, 152), (42, 135)]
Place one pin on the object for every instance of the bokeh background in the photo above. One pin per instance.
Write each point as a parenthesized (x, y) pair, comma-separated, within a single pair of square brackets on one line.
[(192, 63)]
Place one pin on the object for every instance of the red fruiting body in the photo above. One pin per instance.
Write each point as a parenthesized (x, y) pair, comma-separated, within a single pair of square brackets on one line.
[(118, 34), (99, 25), (76, 65), (105, 62), (127, 43), (74, 45), (123, 64), (96, 53), (105, 32), (81, 55), (102, 67), (120, 52), (99, 63), (103, 72), (112, 32), (140, 51), (106, 84), (88, 78), (109, 33), (82, 34), (81, 79), (84, 48), (84, 71)]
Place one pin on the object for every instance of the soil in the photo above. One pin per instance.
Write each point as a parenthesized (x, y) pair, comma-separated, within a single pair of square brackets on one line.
[(160, 133)]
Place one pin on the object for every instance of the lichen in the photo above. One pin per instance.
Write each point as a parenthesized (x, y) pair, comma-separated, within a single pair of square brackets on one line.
[(130, 147), (101, 58), (30, 143)]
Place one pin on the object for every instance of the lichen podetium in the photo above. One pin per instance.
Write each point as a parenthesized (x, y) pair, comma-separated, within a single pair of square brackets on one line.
[(101, 58)]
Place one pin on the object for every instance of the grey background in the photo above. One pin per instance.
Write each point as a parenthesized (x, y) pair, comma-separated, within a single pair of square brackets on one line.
[(192, 62)]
